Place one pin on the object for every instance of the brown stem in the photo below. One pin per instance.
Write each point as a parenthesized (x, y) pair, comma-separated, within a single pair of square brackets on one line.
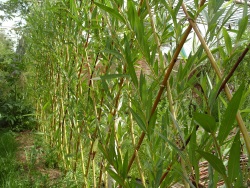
[(230, 74), (139, 10), (172, 163), (122, 80), (163, 85), (239, 119), (91, 76)]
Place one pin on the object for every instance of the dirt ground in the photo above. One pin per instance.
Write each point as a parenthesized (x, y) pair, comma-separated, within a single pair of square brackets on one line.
[(31, 156)]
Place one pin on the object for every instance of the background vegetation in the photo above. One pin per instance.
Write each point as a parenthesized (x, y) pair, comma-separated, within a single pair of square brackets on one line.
[(15, 111), (116, 111)]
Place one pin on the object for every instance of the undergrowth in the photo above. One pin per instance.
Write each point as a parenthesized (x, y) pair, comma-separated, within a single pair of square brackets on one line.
[(13, 174)]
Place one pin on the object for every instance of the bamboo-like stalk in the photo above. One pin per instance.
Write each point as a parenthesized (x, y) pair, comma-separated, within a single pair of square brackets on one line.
[(74, 132), (239, 119), (164, 82), (172, 110), (134, 144), (83, 165), (155, 33), (230, 74), (113, 112), (169, 94), (162, 87), (93, 166)]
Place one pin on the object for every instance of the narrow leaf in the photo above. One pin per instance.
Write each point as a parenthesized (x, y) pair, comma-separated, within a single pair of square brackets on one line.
[(230, 113), (215, 162), (242, 27), (125, 165), (206, 121), (95, 145), (228, 41), (111, 11), (138, 120), (234, 159), (193, 159), (173, 145), (115, 176), (131, 68)]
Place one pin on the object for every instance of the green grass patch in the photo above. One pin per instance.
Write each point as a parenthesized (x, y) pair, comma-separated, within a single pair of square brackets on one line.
[(12, 173)]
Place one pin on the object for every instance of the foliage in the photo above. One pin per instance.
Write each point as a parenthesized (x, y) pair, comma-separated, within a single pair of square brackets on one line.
[(13, 8), (16, 111), (14, 174), (114, 106)]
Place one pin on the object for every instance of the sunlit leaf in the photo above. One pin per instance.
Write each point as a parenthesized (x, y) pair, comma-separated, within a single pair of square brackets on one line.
[(228, 41), (242, 27)]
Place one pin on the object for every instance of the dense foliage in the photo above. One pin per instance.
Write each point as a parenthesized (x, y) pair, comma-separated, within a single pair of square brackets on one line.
[(115, 109), (15, 111)]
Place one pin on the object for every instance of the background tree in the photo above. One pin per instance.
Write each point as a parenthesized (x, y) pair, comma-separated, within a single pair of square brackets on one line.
[(13, 98)]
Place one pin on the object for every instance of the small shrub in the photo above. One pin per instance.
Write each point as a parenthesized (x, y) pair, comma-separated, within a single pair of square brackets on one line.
[(17, 115)]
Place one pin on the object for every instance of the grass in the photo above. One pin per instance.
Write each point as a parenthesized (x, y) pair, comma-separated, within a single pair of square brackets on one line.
[(13, 173), (8, 148), (35, 168)]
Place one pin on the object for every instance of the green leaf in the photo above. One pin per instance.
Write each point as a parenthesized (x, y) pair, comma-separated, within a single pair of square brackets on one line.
[(215, 5), (196, 3), (193, 158), (242, 27), (230, 113), (105, 153), (131, 68), (206, 121), (46, 105), (215, 162), (111, 11), (115, 176), (213, 94), (173, 145), (73, 7), (247, 110), (234, 159), (201, 9), (106, 88), (138, 120), (113, 52), (177, 7), (143, 88), (152, 122), (125, 166), (131, 13), (228, 41), (181, 134), (243, 22), (95, 145)]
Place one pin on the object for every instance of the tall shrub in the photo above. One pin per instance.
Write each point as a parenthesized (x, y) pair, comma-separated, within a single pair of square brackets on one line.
[(117, 109)]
